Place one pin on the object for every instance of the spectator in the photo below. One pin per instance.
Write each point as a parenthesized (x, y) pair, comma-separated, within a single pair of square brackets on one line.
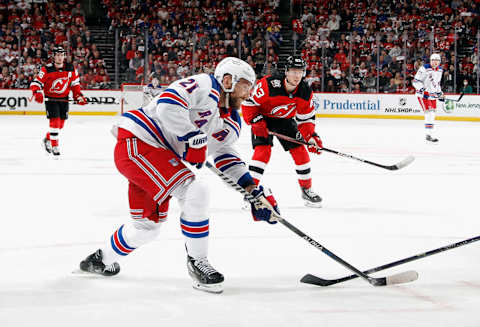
[(466, 88)]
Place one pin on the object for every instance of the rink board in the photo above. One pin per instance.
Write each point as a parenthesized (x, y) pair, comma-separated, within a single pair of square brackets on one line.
[(100, 102), (333, 105)]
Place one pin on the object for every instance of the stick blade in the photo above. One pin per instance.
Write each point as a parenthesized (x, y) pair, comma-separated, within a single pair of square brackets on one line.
[(405, 162), (314, 280), (402, 278)]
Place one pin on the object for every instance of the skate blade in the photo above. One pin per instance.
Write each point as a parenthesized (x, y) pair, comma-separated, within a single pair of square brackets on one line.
[(209, 288), (313, 204), (86, 274), (79, 272)]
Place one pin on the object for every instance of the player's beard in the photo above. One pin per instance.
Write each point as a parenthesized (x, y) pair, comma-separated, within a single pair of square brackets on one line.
[(235, 102)]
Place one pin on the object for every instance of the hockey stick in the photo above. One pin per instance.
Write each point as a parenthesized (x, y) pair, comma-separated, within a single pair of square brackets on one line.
[(311, 279), (399, 278), (457, 100), (405, 162)]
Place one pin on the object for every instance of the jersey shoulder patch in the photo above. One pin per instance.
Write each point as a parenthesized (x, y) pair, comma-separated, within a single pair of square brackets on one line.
[(276, 83)]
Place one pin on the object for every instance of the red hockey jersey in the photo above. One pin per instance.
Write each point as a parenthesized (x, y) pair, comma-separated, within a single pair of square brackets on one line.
[(57, 83), (271, 99)]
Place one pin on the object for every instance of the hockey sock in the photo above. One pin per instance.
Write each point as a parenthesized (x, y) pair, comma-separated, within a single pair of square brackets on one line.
[(129, 237), (302, 166), (260, 159), (194, 200), (429, 121), (54, 130)]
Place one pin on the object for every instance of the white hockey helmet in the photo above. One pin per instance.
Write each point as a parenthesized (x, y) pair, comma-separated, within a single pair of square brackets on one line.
[(435, 56), (235, 67)]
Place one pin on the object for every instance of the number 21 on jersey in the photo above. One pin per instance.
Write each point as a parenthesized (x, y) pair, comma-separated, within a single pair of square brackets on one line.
[(190, 85)]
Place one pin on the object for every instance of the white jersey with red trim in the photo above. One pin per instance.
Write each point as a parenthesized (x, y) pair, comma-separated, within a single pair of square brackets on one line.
[(428, 79), (184, 109)]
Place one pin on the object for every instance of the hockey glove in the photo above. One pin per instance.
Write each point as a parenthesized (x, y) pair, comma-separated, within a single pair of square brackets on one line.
[(315, 144), (196, 150), (38, 96), (259, 126), (262, 211), (439, 96), (81, 100)]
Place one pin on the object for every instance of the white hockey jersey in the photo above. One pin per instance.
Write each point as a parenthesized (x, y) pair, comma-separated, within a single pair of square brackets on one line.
[(184, 109), (428, 79)]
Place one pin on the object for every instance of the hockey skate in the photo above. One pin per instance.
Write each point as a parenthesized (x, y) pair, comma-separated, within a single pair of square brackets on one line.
[(431, 138), (205, 277), (246, 204), (311, 198), (47, 145), (93, 264), (55, 152)]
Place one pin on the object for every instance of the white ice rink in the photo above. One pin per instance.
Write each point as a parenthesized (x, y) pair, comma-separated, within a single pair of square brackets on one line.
[(55, 213)]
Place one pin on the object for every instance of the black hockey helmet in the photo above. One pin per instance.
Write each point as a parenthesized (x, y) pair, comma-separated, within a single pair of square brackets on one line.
[(295, 62), (58, 49)]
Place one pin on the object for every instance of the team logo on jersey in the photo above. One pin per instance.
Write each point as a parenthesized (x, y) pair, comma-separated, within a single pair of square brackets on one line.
[(283, 110), (173, 162), (59, 85), (276, 83)]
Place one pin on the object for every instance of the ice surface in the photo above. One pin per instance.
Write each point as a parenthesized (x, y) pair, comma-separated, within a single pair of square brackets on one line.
[(55, 213)]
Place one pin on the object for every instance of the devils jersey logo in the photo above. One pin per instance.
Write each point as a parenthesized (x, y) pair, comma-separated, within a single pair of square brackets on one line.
[(283, 111), (59, 85)]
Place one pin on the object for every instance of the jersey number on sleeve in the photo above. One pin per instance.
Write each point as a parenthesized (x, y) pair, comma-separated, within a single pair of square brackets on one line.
[(220, 136), (190, 84), (258, 92)]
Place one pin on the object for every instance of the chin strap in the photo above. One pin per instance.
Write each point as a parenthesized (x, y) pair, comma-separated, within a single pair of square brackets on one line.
[(227, 99)]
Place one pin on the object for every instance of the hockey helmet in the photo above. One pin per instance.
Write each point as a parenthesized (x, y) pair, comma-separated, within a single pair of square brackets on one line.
[(58, 49), (435, 56), (235, 67), (296, 62)]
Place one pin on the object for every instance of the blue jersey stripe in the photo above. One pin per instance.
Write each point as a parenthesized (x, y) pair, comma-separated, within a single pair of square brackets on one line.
[(234, 127), (215, 85)]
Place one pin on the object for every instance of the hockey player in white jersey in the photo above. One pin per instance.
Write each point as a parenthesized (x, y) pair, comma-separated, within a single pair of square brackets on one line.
[(427, 83), (193, 118), (151, 90)]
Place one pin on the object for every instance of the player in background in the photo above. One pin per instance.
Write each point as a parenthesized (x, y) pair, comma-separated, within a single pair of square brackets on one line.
[(284, 104), (192, 118), (56, 79), (427, 83), (151, 90)]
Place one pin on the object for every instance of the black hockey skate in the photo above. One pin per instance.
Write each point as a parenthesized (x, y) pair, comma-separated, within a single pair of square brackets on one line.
[(431, 138), (47, 145), (55, 152), (93, 264), (311, 198), (205, 277)]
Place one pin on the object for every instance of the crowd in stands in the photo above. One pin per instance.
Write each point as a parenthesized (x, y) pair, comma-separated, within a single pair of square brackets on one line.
[(188, 37), (350, 46), (30, 29), (354, 42)]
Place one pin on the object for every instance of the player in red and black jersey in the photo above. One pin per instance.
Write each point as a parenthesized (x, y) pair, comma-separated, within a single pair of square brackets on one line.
[(284, 104), (56, 79)]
